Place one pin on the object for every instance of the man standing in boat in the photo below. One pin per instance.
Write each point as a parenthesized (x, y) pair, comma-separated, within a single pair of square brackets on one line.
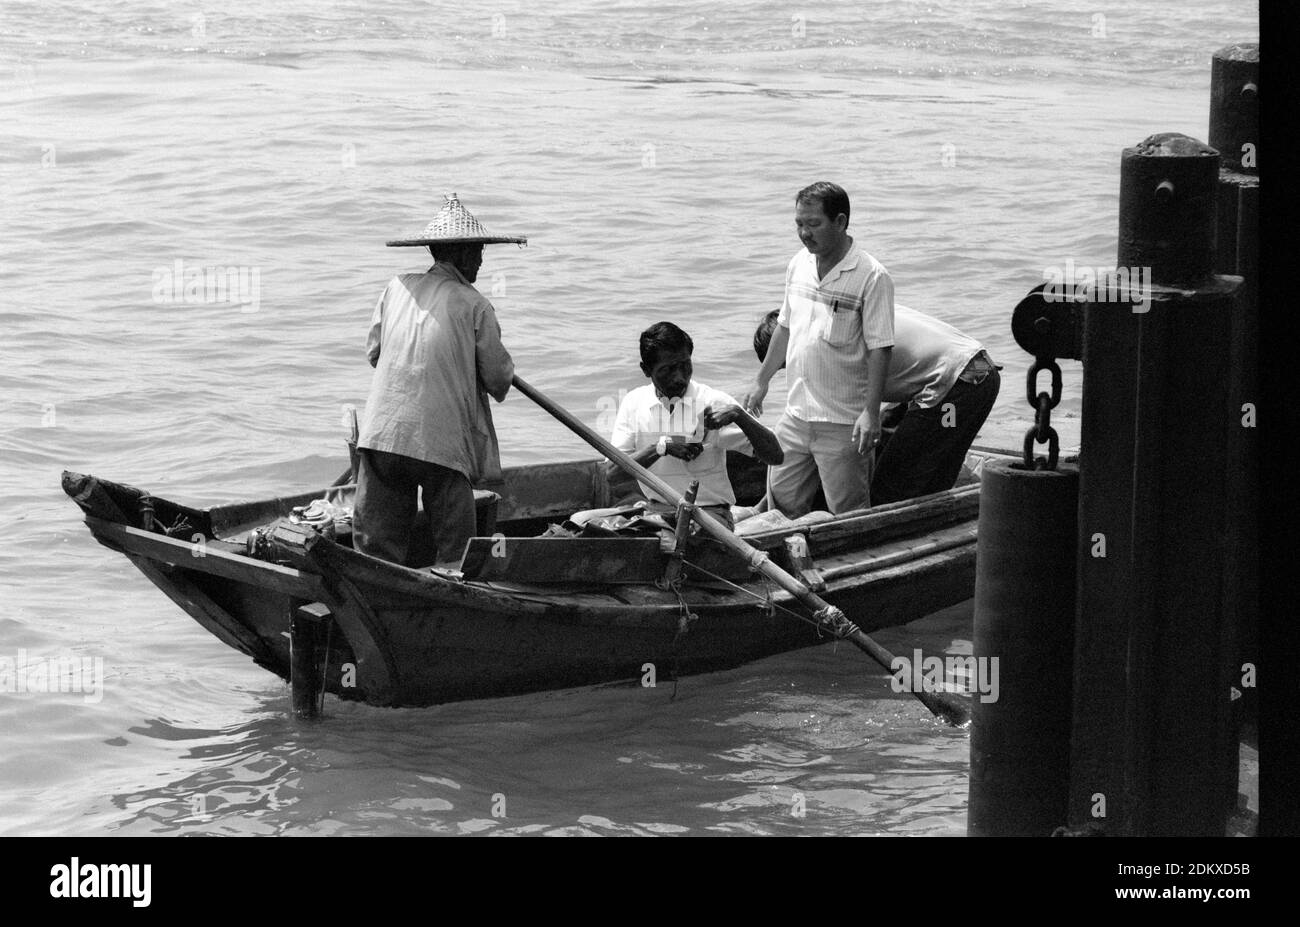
[(435, 344), (681, 429), (835, 333), (944, 383)]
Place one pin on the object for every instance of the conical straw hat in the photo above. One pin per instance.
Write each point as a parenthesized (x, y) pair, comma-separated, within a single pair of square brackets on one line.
[(453, 224)]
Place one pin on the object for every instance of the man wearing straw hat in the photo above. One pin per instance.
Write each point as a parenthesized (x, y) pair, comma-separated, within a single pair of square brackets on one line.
[(436, 348)]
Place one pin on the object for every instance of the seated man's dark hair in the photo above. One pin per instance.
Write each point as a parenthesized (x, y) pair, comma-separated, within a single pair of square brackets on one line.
[(763, 334), (832, 197), (663, 336)]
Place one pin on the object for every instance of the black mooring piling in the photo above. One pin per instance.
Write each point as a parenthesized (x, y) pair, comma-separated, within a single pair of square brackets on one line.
[(1234, 131), (1154, 644), (1234, 106), (1024, 619), (1167, 189)]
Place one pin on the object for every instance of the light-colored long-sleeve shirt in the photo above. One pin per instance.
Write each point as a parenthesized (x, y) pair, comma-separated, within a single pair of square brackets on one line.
[(435, 344), (928, 356)]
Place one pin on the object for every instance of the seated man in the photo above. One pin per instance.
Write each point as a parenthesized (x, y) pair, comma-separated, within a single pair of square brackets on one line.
[(945, 383), (681, 429)]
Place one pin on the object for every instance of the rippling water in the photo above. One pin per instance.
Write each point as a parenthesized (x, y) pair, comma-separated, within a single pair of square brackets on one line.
[(650, 154)]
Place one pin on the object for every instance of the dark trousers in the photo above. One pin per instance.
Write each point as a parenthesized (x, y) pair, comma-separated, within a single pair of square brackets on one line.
[(926, 451), (384, 522)]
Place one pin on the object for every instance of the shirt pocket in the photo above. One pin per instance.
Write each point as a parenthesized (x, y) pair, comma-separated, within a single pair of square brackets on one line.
[(843, 327), (709, 460)]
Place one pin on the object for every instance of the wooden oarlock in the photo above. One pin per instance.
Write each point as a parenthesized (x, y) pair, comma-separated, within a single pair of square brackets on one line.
[(677, 556), (802, 564)]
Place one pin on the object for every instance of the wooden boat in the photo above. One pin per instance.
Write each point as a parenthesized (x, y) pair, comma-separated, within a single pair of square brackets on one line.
[(528, 613)]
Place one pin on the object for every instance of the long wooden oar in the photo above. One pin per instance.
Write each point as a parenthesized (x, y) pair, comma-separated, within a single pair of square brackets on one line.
[(827, 616)]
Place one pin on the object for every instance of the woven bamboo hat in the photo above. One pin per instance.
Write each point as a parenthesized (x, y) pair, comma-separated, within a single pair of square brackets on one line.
[(454, 224)]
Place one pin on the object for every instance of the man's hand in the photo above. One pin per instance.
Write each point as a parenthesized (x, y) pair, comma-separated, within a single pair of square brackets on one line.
[(682, 451), (866, 431), (722, 416), (753, 401)]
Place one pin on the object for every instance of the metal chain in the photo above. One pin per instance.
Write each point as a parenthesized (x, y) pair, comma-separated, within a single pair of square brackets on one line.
[(1043, 403)]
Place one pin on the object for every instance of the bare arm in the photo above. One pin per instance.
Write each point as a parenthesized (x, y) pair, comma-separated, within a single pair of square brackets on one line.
[(775, 359), (648, 456), (645, 459), (866, 430), (877, 327), (766, 447)]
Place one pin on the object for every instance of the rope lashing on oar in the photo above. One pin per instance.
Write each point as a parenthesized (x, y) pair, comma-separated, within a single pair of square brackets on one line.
[(830, 618), (839, 628), (835, 621)]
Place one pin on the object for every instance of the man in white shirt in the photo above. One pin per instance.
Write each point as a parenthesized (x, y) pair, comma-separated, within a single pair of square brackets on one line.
[(944, 383), (835, 334), (681, 429)]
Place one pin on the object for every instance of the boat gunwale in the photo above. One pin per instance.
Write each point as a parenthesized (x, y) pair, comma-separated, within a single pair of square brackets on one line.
[(128, 539), (530, 598), (536, 599)]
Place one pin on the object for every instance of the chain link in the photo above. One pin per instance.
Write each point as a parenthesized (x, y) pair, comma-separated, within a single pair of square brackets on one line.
[(1042, 403)]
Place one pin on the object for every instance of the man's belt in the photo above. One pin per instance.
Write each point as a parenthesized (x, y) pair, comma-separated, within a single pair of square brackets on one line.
[(980, 366)]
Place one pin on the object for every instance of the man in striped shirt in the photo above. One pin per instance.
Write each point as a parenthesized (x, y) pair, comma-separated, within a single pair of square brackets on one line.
[(835, 333)]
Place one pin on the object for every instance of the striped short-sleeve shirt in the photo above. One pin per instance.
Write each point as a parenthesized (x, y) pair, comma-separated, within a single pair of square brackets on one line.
[(833, 322)]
